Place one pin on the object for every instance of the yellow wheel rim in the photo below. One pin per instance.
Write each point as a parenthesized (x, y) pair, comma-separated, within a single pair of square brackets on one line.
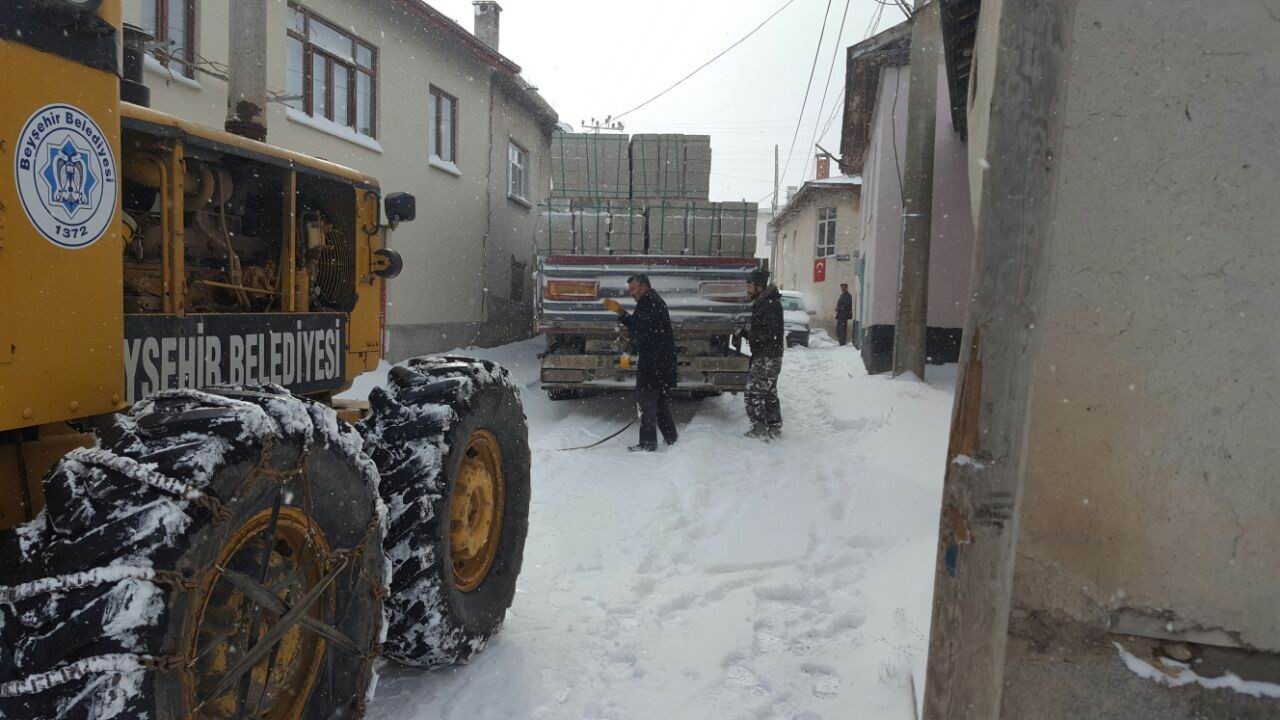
[(475, 517), (279, 685)]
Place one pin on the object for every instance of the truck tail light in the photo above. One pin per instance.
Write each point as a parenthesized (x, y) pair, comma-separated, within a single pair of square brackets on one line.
[(734, 291), (572, 290)]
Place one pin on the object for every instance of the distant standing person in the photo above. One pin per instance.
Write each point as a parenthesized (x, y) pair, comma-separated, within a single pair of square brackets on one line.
[(650, 330), (844, 313), (767, 340)]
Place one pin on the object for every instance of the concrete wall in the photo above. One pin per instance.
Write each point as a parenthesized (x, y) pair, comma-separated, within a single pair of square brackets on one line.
[(797, 241), (439, 301), (1151, 477)]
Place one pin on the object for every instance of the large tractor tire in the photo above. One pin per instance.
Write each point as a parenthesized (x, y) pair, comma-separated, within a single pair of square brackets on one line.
[(449, 438), (213, 556)]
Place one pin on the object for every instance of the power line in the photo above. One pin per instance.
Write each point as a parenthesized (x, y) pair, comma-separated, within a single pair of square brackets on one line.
[(717, 57), (835, 109), (808, 86), (835, 53), (874, 25)]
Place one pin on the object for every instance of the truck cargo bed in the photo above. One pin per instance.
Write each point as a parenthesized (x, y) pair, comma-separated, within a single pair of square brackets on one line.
[(706, 297)]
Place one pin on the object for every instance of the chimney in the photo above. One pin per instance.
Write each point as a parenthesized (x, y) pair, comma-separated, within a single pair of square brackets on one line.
[(487, 13), (247, 78), (791, 192), (824, 166)]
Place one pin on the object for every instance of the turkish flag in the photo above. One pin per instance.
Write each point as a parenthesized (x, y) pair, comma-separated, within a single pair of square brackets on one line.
[(820, 270)]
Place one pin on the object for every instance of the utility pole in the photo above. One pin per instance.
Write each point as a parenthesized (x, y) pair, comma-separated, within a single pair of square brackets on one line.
[(917, 194), (247, 76), (775, 181), (981, 499), (608, 124)]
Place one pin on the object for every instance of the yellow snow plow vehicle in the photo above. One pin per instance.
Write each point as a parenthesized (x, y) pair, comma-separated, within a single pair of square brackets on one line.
[(189, 525)]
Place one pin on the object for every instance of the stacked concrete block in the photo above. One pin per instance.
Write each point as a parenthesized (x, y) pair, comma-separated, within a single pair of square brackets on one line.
[(615, 195), (697, 167), (668, 225), (592, 227), (703, 223), (587, 227), (670, 167), (555, 233), (590, 166), (627, 230), (694, 227), (736, 229)]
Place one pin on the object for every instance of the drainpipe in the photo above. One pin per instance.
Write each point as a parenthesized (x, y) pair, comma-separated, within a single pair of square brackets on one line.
[(247, 79)]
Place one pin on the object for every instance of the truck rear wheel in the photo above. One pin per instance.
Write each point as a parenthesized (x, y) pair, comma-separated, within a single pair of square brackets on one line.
[(214, 553), (449, 438)]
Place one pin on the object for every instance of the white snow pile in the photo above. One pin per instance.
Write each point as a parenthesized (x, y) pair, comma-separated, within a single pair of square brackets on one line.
[(1176, 674), (723, 577), (818, 338)]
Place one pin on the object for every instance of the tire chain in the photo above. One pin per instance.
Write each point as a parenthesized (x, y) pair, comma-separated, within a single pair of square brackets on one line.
[(132, 469)]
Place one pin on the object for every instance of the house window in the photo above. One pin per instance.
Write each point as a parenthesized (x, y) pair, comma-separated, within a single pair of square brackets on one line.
[(826, 233), (173, 25), (517, 172), (518, 270), (444, 122), (331, 73)]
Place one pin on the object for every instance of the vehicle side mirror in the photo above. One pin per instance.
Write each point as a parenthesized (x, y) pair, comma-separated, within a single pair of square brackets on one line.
[(401, 207), (812, 312)]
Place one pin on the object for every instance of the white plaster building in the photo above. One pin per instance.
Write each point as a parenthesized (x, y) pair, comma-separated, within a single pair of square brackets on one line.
[(397, 90), (818, 243)]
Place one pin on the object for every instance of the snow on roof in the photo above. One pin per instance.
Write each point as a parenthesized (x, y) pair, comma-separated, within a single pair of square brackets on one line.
[(838, 180), (801, 196)]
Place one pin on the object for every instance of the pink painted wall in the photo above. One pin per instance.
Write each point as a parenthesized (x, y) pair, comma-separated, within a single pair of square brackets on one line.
[(951, 249)]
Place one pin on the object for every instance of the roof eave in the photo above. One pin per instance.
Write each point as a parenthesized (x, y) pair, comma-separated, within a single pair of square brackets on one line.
[(470, 42), (529, 98), (802, 196), (864, 63)]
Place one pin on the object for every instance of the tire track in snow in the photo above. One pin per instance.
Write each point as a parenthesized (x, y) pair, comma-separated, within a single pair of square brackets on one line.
[(716, 580)]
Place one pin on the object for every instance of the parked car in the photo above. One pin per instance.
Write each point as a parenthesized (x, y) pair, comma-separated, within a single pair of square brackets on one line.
[(795, 318)]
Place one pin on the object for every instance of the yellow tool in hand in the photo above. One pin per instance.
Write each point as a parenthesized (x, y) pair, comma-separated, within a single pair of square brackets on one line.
[(613, 305)]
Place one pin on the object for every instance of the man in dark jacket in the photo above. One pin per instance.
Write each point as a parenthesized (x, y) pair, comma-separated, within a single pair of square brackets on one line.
[(651, 336), (767, 339), (844, 313)]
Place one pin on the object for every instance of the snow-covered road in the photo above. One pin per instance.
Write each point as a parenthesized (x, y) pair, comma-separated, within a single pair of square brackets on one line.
[(724, 577)]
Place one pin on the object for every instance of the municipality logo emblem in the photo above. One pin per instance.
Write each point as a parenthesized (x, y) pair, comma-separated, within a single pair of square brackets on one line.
[(66, 176)]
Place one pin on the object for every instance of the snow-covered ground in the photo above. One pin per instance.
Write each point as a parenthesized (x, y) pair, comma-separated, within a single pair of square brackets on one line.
[(723, 577)]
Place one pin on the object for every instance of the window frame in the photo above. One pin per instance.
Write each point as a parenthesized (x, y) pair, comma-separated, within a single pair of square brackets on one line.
[(523, 155), (187, 62), (439, 95), (825, 243), (311, 51)]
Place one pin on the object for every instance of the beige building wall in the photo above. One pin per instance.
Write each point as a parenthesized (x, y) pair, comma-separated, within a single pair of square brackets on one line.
[(797, 249), (509, 247), (439, 301), (1151, 496)]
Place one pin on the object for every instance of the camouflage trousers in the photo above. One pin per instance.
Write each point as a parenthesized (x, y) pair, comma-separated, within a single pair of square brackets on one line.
[(762, 392)]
